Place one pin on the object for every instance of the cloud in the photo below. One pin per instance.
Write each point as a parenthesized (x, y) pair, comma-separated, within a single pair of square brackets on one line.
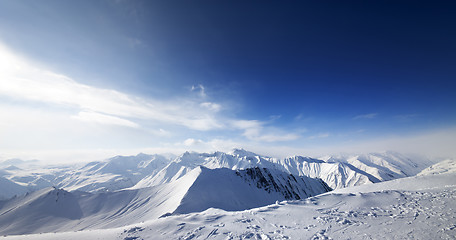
[(199, 88), (211, 106), (104, 119), (20, 79), (320, 135), (366, 116), (56, 112), (433, 143), (192, 142), (254, 130)]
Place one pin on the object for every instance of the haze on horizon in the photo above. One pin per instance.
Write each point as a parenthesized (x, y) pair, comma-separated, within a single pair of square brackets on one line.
[(92, 79)]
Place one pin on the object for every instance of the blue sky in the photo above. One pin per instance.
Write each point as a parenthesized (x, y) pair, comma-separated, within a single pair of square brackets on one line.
[(309, 77)]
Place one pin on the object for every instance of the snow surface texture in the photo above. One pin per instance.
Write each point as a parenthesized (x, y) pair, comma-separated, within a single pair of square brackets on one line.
[(447, 166), (142, 170), (420, 207), (53, 209)]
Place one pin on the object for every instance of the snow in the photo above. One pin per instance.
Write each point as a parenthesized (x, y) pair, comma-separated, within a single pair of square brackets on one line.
[(446, 166), (384, 166), (200, 189), (229, 190), (408, 208), (142, 170), (236, 195), (335, 174), (10, 189)]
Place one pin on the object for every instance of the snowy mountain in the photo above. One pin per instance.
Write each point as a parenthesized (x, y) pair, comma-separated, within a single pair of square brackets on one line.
[(200, 189), (238, 159), (142, 170), (384, 166), (113, 174), (10, 189), (446, 166), (17, 162), (110, 175), (419, 207), (335, 174), (244, 189)]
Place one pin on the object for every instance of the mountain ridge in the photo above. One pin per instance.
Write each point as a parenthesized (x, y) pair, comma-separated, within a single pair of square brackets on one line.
[(200, 189), (144, 170)]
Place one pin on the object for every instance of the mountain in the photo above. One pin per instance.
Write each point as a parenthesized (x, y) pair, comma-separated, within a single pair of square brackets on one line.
[(446, 166), (336, 171), (113, 174), (335, 174), (384, 166), (44, 207), (54, 209), (10, 189), (244, 189), (17, 162), (418, 207), (143, 170), (238, 159)]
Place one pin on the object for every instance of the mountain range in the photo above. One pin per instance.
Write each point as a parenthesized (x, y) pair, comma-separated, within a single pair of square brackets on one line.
[(124, 190), (142, 170)]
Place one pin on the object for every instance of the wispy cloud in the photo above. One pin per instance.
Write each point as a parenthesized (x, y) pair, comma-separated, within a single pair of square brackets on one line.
[(80, 106), (211, 106), (192, 142), (21, 80), (320, 135), (256, 131), (200, 89), (366, 116), (104, 119), (274, 117)]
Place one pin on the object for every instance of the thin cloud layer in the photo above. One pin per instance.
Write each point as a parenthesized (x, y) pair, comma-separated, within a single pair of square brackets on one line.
[(366, 116), (255, 130), (21, 80), (28, 85)]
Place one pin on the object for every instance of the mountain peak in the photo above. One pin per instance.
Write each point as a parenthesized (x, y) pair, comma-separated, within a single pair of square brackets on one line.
[(243, 153)]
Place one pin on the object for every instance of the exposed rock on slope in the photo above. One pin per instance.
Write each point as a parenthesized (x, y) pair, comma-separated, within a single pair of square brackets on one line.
[(243, 189), (199, 189)]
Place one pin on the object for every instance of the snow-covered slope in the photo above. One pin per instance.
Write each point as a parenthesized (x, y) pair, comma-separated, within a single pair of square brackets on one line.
[(422, 207), (142, 170), (113, 174), (9, 189), (243, 189), (53, 209), (446, 166), (384, 166), (335, 174), (237, 159), (198, 190)]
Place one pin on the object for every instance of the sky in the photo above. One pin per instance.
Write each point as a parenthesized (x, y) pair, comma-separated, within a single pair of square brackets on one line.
[(85, 80)]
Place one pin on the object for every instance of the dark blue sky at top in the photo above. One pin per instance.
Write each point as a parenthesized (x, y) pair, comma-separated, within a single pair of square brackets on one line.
[(326, 60)]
